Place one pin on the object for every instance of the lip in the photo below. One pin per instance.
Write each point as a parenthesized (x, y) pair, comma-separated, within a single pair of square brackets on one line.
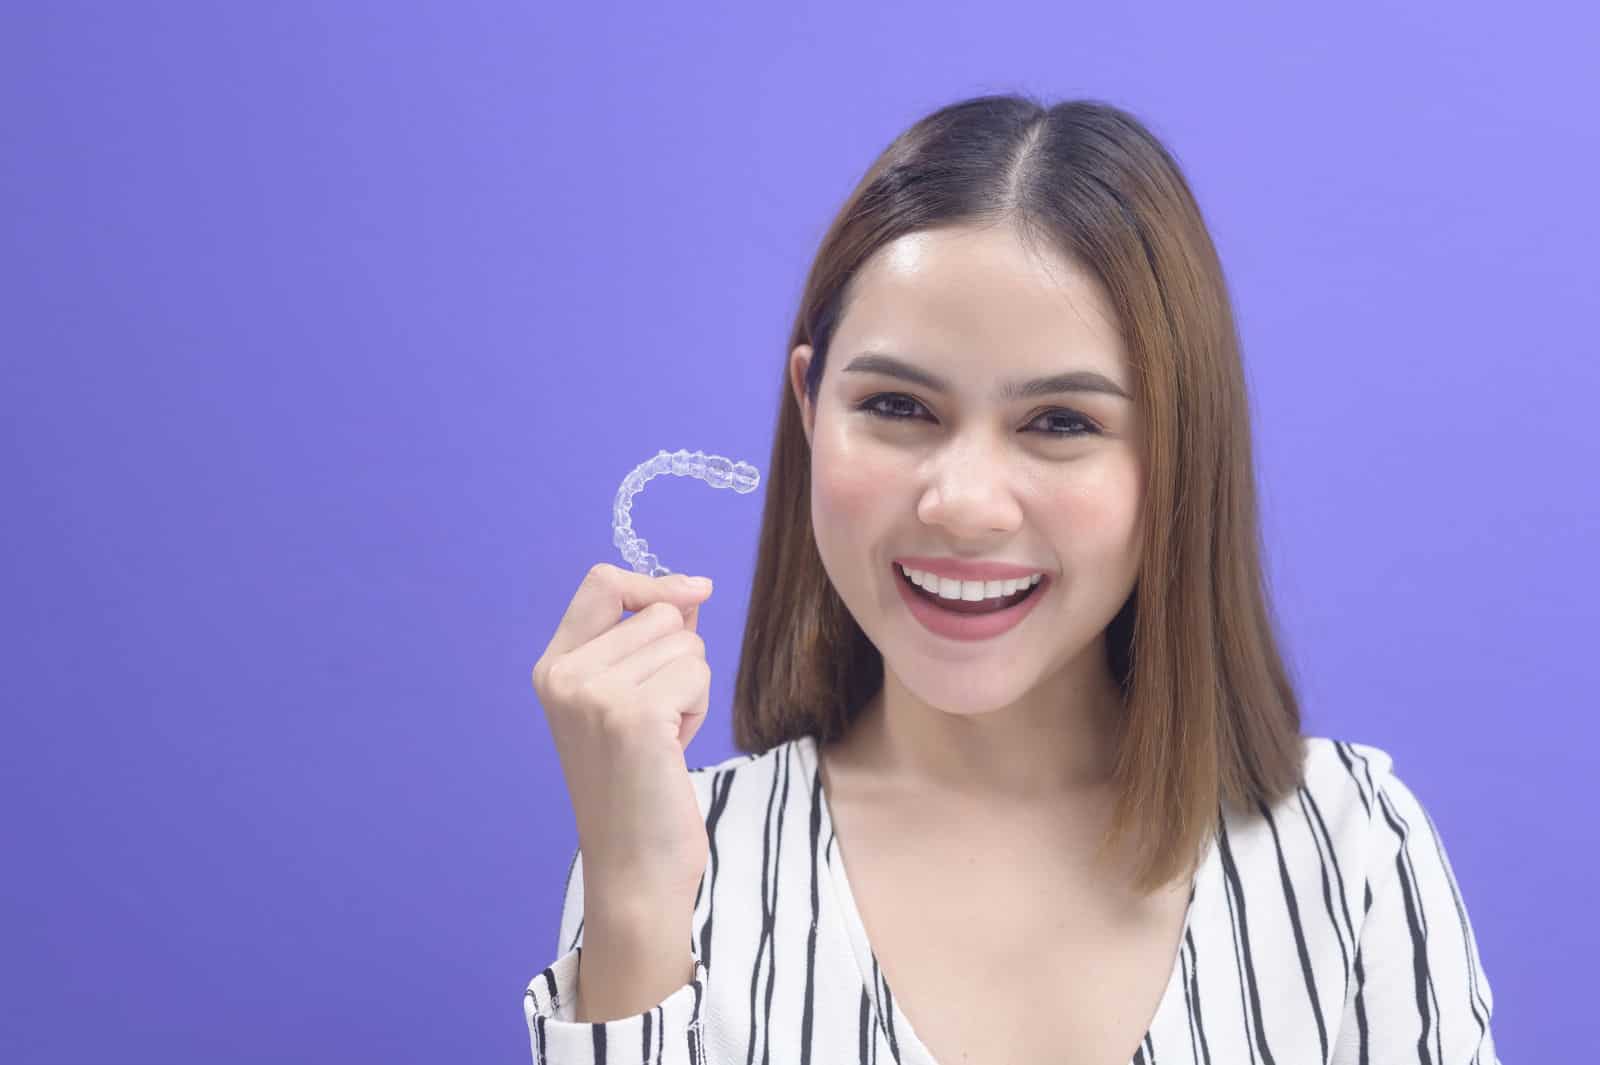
[(960, 570), (967, 627)]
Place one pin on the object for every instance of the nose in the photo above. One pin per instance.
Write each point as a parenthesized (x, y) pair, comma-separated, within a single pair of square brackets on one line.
[(968, 491)]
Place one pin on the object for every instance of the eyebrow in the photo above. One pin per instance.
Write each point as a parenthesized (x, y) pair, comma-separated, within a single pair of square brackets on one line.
[(1073, 381)]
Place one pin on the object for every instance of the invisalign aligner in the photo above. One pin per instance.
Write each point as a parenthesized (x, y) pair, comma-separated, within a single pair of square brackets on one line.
[(714, 470)]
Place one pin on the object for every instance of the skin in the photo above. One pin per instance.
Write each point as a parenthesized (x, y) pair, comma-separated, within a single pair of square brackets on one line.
[(1024, 722), (980, 772)]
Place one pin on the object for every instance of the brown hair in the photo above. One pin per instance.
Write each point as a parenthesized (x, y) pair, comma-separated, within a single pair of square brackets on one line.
[(1211, 716)]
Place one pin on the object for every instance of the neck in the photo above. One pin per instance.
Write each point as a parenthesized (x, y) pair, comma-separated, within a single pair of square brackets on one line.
[(1057, 742)]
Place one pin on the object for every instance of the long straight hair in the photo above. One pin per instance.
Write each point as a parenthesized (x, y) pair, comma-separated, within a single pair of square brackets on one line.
[(1210, 716)]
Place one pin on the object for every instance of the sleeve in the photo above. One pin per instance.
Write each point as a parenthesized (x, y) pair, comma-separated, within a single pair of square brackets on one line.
[(669, 1033), (1418, 992)]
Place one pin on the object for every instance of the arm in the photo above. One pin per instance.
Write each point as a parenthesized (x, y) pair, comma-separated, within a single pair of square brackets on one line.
[(1418, 991), (646, 993)]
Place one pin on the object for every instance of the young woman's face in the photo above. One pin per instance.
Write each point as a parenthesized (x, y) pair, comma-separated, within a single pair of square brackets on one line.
[(1050, 482)]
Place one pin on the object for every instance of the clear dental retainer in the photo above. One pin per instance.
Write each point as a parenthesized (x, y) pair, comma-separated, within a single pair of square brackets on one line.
[(714, 470)]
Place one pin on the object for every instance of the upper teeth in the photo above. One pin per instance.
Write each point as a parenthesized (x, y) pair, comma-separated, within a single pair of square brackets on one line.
[(972, 591)]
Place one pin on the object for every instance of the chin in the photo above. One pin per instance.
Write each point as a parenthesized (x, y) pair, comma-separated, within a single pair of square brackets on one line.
[(962, 700)]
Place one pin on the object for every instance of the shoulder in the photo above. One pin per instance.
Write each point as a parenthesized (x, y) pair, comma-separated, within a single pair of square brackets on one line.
[(765, 761), (745, 778), (1352, 812), (1339, 777), (1344, 772), (736, 762), (1349, 774), (1417, 962), (1398, 825), (1328, 820)]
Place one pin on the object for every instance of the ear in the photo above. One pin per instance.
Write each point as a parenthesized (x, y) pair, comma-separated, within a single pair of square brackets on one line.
[(799, 362)]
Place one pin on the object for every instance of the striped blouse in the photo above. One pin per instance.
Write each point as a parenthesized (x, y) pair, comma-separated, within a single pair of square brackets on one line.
[(1328, 928)]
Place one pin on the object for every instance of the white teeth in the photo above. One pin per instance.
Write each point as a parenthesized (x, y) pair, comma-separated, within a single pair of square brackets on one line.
[(970, 591)]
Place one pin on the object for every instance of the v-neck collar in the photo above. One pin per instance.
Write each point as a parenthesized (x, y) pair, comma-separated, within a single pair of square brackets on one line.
[(906, 1047)]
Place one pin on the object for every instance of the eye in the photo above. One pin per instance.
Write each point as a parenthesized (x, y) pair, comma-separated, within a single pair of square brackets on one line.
[(1070, 423), (873, 406), (1070, 418)]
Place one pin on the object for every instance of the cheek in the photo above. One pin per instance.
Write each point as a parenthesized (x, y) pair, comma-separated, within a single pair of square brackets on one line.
[(1096, 508), (848, 481)]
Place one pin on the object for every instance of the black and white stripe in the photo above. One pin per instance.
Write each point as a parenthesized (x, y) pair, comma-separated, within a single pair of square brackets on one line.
[(1329, 928)]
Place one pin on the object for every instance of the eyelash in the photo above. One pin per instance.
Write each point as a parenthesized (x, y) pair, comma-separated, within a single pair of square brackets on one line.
[(870, 407)]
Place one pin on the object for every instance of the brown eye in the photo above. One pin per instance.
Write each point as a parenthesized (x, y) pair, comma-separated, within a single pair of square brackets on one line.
[(1071, 423), (899, 407), (874, 406)]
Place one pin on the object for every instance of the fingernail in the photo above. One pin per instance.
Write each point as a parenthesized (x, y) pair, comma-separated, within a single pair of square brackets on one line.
[(702, 583)]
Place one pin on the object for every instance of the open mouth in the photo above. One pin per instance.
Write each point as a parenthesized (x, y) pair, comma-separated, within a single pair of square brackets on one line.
[(965, 606)]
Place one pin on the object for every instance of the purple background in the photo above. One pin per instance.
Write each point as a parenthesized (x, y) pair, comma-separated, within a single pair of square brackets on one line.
[(329, 331)]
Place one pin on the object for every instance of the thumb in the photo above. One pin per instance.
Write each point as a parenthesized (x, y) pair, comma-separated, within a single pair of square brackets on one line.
[(691, 612)]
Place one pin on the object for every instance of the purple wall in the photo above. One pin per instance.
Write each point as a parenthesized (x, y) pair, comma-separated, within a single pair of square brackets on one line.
[(328, 333)]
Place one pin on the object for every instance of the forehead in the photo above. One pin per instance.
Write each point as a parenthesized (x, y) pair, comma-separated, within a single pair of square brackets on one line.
[(961, 292)]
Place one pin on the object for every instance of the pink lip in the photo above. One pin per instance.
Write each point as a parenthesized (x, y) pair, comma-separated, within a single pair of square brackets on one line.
[(967, 626), (960, 570)]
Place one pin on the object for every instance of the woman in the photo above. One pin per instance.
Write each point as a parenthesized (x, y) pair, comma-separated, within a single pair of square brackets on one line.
[(1009, 661)]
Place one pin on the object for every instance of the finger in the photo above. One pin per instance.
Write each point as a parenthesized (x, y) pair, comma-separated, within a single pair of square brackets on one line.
[(640, 666), (606, 593), (675, 687), (626, 639), (693, 718)]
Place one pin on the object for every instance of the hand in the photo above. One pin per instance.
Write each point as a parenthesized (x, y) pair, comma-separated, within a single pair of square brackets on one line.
[(623, 698)]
